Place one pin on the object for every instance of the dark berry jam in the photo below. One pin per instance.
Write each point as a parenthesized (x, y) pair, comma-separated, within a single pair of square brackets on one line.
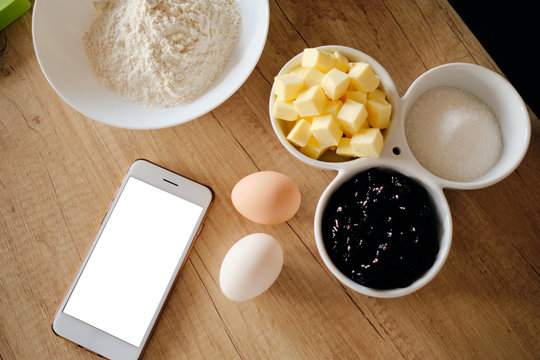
[(380, 229)]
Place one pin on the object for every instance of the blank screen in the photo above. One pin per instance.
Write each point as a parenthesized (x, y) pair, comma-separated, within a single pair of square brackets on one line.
[(133, 261)]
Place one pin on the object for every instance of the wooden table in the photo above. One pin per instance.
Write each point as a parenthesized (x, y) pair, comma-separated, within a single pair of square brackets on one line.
[(59, 170)]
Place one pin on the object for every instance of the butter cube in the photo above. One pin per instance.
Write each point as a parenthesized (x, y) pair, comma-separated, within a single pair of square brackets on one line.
[(352, 117), (341, 62), (310, 102), (344, 148), (300, 71), (357, 95), (287, 86), (312, 149), (335, 84), (367, 142), (284, 110), (363, 78), (376, 94), (300, 133), (326, 130), (318, 59), (379, 112), (313, 77), (332, 108)]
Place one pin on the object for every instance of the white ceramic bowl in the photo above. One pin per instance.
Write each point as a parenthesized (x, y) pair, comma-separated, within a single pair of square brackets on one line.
[(498, 94), (58, 27), (396, 155), (352, 55), (443, 214)]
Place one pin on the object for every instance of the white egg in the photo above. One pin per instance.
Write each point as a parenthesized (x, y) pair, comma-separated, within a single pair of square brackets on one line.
[(250, 267)]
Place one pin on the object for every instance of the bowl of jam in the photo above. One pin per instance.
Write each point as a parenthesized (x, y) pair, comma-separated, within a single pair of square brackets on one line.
[(382, 231)]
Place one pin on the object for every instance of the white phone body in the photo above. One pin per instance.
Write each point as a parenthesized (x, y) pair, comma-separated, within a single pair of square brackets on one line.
[(118, 294)]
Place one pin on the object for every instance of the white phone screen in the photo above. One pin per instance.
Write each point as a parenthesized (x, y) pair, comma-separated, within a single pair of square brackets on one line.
[(133, 261)]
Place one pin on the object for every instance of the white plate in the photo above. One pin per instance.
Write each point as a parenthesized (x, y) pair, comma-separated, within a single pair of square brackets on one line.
[(58, 27)]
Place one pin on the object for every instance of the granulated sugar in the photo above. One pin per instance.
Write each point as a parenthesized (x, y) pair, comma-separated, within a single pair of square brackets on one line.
[(162, 52), (453, 134)]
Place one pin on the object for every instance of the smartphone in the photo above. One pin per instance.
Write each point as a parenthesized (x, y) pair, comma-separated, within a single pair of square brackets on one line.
[(118, 294)]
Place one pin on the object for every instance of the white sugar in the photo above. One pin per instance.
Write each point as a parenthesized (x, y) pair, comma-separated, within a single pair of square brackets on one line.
[(453, 134)]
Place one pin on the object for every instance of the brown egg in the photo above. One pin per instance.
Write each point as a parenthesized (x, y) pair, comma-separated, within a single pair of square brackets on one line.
[(266, 197)]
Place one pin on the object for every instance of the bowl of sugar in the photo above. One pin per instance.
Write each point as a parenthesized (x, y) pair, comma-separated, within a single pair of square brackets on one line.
[(466, 125), (148, 64)]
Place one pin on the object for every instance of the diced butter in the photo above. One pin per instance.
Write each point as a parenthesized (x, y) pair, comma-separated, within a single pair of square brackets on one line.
[(341, 62), (309, 75), (300, 71), (335, 84), (377, 94), (367, 142), (318, 59), (310, 102), (379, 112), (329, 104), (363, 78), (326, 130), (344, 148), (312, 77), (300, 133), (312, 149), (288, 86), (332, 108), (284, 110), (357, 95), (352, 117)]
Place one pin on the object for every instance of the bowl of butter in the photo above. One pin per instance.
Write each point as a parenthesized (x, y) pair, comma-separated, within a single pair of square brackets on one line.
[(333, 104)]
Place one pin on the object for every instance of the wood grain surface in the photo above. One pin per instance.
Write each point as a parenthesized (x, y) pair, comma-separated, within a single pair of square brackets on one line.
[(59, 170)]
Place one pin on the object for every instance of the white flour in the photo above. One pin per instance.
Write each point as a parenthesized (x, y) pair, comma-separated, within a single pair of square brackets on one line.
[(162, 53)]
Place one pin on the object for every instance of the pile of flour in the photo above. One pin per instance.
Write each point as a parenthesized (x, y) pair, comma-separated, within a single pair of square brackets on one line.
[(162, 53)]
